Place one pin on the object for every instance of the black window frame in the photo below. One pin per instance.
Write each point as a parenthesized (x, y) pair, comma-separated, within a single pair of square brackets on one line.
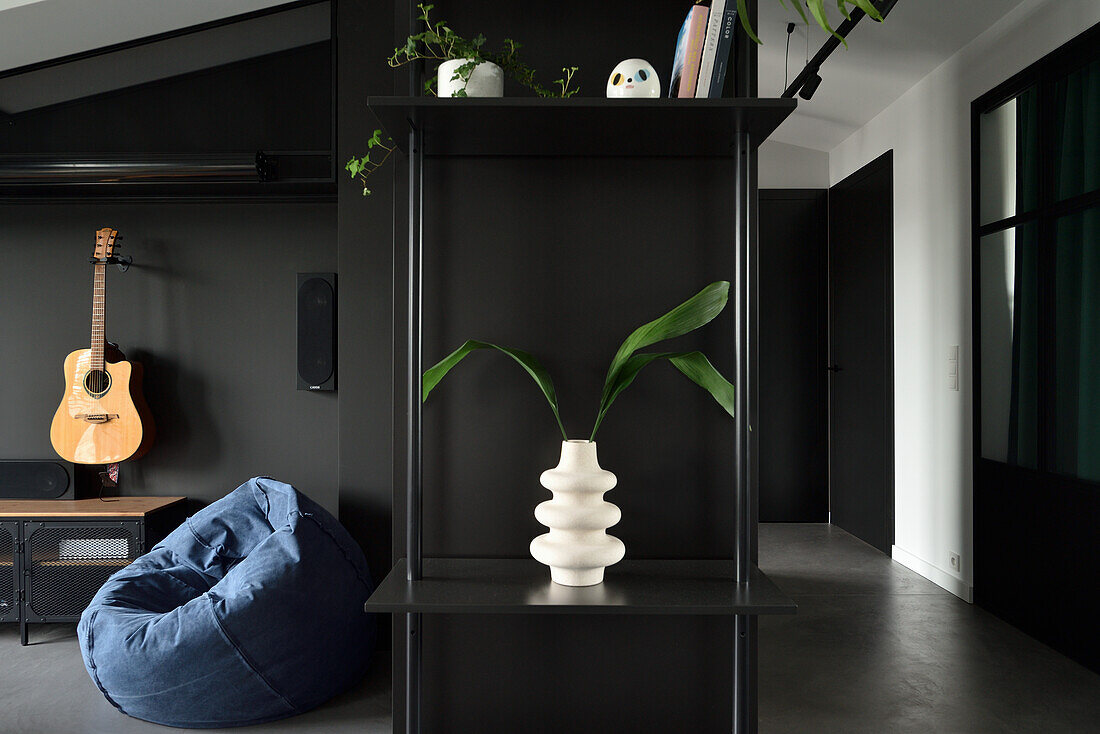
[(1042, 77)]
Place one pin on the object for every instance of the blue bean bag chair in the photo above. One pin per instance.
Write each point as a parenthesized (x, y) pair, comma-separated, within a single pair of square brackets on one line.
[(250, 611)]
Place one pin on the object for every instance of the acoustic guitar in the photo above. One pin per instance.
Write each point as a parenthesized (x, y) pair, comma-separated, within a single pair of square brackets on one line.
[(103, 418)]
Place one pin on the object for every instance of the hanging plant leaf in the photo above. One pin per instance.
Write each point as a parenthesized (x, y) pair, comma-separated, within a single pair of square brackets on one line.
[(743, 14)]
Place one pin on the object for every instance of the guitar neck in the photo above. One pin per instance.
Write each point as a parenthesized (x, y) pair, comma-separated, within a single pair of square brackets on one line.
[(99, 314)]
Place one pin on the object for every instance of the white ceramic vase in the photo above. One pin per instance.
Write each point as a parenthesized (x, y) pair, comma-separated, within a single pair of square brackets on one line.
[(487, 79), (577, 548)]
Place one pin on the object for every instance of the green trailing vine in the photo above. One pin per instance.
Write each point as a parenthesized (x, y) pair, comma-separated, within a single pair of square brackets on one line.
[(438, 43), (361, 167)]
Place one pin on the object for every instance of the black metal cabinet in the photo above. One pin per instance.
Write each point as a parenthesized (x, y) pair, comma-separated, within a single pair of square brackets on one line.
[(65, 563), (9, 572), (54, 556)]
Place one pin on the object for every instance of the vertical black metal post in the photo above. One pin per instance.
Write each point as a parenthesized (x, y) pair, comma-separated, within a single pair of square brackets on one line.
[(414, 435), (413, 489), (744, 632), (744, 704)]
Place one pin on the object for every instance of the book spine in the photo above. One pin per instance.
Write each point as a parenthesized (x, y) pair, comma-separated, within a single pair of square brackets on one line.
[(678, 58), (710, 47), (724, 55), (697, 30)]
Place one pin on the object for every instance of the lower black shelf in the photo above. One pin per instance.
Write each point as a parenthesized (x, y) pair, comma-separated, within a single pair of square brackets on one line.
[(523, 586)]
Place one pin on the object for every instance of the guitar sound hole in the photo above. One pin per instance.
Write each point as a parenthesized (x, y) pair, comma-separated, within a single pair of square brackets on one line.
[(97, 382)]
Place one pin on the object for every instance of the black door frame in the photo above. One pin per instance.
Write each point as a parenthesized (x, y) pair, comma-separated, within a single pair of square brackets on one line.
[(884, 161), (1033, 523)]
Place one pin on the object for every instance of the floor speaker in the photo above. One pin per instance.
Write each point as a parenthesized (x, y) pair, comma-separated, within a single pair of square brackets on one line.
[(34, 480), (316, 331)]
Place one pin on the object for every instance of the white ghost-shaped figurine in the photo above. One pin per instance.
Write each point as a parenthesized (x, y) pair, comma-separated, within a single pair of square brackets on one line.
[(633, 78)]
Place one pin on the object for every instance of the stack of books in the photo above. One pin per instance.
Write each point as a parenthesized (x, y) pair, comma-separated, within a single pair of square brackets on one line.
[(704, 51)]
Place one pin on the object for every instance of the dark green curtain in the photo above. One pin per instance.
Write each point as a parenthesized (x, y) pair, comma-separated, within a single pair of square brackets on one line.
[(1077, 276), (1023, 425)]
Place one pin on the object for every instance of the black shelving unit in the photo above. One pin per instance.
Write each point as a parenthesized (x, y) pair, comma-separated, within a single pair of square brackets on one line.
[(718, 128)]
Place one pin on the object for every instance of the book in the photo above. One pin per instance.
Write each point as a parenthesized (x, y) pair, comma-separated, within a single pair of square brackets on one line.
[(689, 52), (710, 47), (723, 57)]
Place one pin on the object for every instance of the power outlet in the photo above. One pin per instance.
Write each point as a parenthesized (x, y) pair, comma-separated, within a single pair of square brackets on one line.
[(956, 563)]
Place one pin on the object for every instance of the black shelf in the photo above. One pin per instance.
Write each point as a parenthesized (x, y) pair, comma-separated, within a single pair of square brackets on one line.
[(523, 586), (591, 126)]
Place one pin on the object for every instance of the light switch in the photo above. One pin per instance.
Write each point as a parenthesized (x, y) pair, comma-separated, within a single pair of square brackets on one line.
[(953, 367)]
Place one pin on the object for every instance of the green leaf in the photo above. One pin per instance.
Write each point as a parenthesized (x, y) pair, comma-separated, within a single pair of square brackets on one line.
[(743, 13), (694, 365), (693, 313), (531, 365), (817, 9), (867, 7), (697, 368), (843, 9), (797, 6)]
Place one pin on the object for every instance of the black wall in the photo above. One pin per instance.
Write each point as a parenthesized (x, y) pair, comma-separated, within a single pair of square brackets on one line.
[(277, 102), (209, 306), (365, 259), (1032, 567), (209, 310)]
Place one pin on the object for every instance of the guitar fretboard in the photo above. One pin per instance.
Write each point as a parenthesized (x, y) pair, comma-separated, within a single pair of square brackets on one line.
[(99, 316)]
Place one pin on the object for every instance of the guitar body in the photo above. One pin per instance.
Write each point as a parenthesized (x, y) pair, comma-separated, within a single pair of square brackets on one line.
[(103, 417)]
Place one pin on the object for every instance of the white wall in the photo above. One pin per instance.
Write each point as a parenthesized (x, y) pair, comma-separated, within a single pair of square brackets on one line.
[(785, 166), (929, 130)]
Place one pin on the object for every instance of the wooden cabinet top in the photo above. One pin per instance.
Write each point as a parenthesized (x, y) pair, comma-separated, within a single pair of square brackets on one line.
[(110, 507)]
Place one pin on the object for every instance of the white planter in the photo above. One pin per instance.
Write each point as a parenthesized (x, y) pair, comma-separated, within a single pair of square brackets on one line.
[(577, 548), (487, 80)]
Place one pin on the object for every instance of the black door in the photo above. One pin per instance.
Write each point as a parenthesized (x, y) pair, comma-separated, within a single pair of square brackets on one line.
[(794, 478), (861, 397)]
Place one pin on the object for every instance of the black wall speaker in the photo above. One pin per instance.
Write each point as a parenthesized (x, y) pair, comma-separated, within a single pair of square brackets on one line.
[(316, 331), (34, 480)]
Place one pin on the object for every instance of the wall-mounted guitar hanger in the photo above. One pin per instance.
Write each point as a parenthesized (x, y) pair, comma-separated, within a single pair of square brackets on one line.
[(122, 261)]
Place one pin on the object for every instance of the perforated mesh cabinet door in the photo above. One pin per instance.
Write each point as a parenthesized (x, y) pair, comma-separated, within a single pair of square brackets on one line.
[(68, 562), (9, 579)]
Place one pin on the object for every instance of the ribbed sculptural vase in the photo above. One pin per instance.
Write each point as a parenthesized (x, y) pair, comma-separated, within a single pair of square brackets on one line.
[(577, 548)]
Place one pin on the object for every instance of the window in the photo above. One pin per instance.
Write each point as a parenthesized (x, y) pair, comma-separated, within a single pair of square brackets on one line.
[(1037, 263)]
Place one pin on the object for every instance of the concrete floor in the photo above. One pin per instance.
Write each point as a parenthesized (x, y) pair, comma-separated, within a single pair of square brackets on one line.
[(877, 648), (874, 648)]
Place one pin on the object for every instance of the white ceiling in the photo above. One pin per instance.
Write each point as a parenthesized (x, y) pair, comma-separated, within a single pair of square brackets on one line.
[(882, 62), (40, 30)]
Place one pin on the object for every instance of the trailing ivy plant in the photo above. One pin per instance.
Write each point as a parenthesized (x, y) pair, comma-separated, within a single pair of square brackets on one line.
[(378, 151), (628, 361), (817, 10), (437, 42)]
